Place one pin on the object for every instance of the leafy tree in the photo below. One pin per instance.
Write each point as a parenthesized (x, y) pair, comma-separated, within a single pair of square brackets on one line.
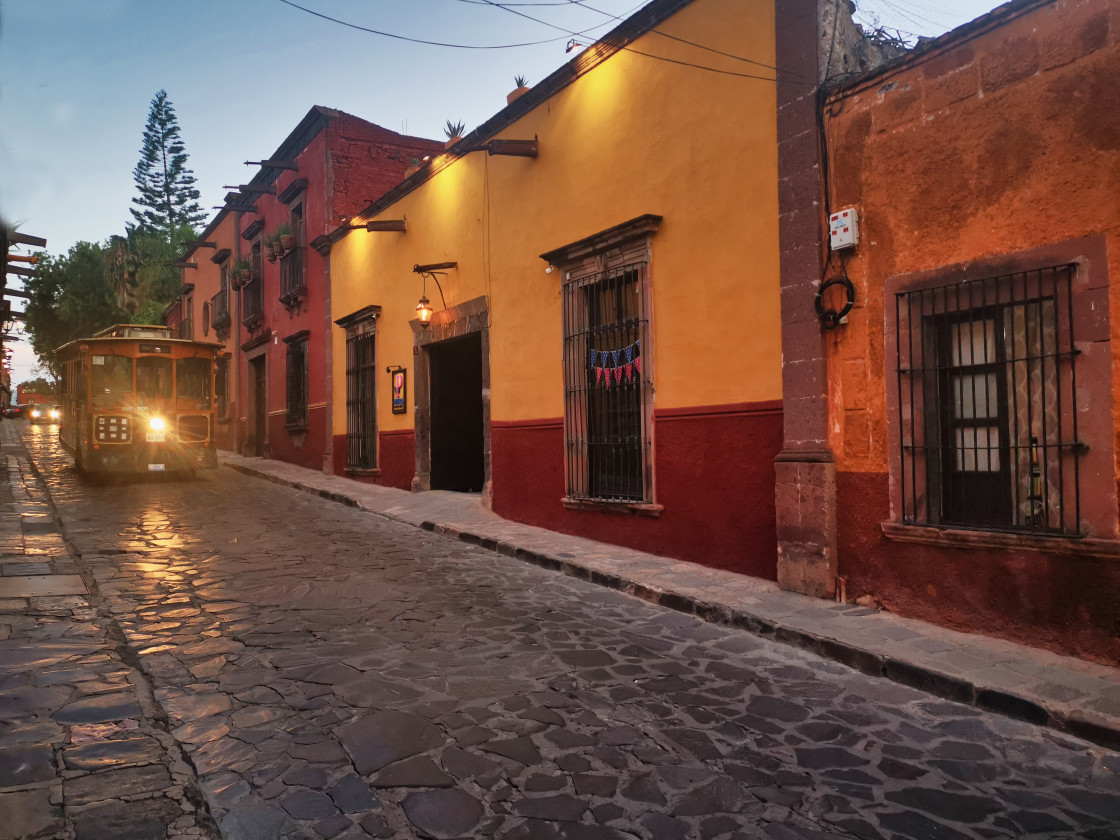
[(68, 298), (139, 271), (168, 200), (39, 385)]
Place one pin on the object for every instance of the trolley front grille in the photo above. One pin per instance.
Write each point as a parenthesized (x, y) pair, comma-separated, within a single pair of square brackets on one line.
[(194, 428)]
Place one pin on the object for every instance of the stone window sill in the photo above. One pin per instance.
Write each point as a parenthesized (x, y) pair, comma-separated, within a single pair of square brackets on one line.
[(634, 508), (961, 538), (362, 473)]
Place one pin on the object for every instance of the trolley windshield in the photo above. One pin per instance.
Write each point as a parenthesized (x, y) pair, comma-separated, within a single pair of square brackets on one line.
[(193, 388), (111, 380)]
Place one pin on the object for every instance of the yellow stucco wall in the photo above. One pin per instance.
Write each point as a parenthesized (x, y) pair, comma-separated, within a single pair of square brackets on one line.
[(635, 135)]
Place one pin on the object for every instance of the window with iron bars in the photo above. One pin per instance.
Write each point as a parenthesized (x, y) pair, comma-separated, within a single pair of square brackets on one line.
[(361, 396), (606, 386), (221, 386), (987, 404), (297, 380), (292, 283)]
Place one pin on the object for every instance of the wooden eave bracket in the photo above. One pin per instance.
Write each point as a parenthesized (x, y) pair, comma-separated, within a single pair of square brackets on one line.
[(322, 244), (221, 256)]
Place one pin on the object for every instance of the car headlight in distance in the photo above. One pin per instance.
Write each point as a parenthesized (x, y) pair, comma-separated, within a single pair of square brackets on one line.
[(35, 412), (157, 424), (55, 414)]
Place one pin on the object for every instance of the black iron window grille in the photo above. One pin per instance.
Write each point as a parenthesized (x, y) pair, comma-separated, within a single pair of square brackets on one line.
[(606, 375), (987, 404), (292, 283), (221, 387), (297, 380), (361, 397)]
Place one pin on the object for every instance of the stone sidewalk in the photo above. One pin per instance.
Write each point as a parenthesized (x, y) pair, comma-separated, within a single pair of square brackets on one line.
[(1035, 685), (85, 752)]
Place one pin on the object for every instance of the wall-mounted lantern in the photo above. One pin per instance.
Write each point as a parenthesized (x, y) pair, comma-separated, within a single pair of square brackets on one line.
[(424, 309)]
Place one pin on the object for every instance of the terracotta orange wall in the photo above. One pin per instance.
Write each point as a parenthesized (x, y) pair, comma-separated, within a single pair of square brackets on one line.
[(1004, 142)]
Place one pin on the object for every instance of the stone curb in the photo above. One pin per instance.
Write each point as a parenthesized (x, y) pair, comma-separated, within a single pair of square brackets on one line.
[(1034, 710)]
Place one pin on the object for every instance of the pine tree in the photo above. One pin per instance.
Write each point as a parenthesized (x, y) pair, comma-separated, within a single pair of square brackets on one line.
[(168, 199)]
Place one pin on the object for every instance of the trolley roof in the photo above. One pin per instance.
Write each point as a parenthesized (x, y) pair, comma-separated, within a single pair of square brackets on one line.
[(133, 332)]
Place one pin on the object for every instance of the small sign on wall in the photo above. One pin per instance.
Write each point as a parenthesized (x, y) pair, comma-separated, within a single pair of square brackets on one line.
[(400, 390)]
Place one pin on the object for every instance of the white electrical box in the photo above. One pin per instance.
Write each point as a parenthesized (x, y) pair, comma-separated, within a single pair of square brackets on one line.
[(843, 229)]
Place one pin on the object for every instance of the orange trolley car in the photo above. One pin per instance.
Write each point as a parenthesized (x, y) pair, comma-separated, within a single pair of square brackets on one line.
[(134, 399)]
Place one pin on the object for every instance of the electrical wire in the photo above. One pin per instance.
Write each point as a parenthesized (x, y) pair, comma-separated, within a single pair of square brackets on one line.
[(418, 40), (639, 52), (584, 5)]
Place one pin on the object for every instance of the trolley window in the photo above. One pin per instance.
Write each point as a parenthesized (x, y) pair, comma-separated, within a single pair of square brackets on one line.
[(193, 387), (153, 378), (111, 377)]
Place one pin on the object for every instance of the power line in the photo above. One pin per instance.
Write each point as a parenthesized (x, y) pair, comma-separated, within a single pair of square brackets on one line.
[(639, 52), (675, 38), (417, 40)]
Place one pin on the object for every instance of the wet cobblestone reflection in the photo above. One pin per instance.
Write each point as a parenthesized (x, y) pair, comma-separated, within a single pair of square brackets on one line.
[(333, 674)]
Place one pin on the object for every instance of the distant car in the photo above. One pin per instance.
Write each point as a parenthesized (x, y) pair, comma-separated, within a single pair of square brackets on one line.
[(44, 413), (14, 411)]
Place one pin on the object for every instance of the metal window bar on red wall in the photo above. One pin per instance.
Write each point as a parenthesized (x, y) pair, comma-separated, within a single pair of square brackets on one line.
[(987, 404), (605, 390), (297, 384), (252, 301), (291, 273), (361, 406)]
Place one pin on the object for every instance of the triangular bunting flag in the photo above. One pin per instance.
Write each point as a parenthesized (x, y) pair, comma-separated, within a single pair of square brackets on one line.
[(630, 353), (594, 357), (618, 376), (638, 364), (629, 372), (599, 375), (614, 358)]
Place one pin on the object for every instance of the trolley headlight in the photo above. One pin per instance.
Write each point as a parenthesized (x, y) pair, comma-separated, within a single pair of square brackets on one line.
[(55, 413), (157, 424)]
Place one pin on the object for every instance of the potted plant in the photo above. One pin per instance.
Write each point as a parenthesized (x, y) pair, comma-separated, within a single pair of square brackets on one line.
[(268, 241), (520, 89), (241, 272), (413, 167), (286, 237), (454, 132)]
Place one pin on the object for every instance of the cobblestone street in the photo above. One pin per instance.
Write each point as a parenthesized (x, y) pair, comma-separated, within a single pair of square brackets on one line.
[(325, 672)]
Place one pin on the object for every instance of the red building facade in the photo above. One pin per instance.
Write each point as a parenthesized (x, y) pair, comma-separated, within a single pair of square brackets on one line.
[(328, 168)]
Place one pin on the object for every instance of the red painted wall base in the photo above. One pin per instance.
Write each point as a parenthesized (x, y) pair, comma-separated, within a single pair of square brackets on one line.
[(1064, 603), (714, 475)]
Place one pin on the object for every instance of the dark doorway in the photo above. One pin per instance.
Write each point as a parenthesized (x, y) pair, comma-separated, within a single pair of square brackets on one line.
[(455, 385), (258, 407)]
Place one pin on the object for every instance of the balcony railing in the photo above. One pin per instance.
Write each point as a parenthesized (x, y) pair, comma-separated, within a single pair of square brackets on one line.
[(219, 310), (252, 302), (292, 286)]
